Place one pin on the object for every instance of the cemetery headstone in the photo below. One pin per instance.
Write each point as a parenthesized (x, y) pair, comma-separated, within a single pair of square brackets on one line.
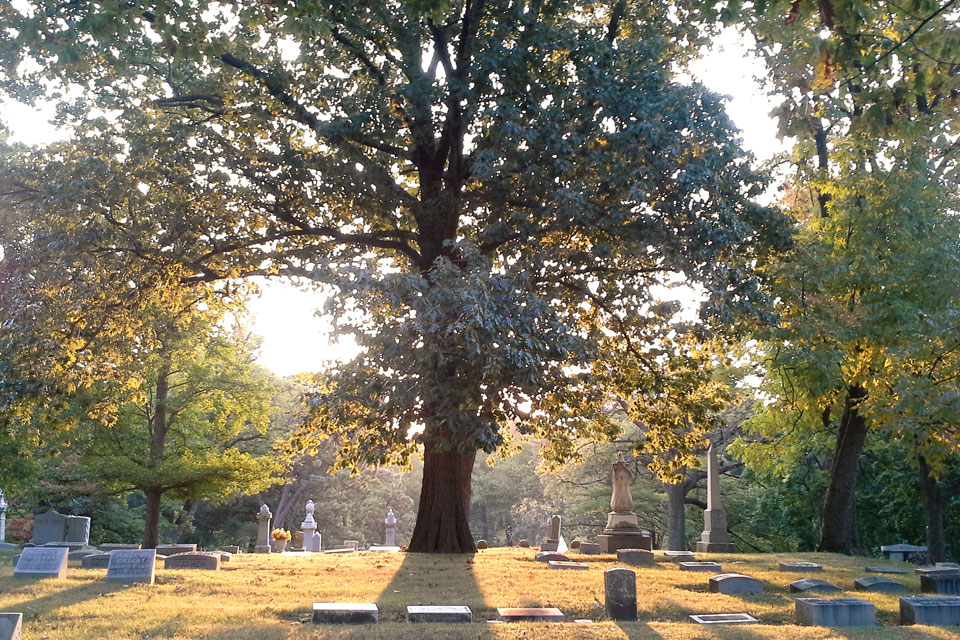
[(309, 527), (879, 584), (112, 546), (711, 567), (891, 570), (939, 611), (715, 537), (11, 626), (231, 548), (723, 618), (80, 554), (936, 571), (132, 566), (812, 585), (734, 583), (77, 529), (202, 561), (49, 527), (901, 552), (547, 556), (439, 613), (620, 594), (636, 557), (801, 567), (173, 549), (345, 612), (390, 529), (42, 562), (524, 544), (679, 556), (3, 524), (561, 565), (549, 546), (576, 543), (351, 544), (315, 543), (296, 543), (835, 612), (623, 529), (530, 614), (482, 544), (948, 585), (263, 530), (96, 561), (589, 548)]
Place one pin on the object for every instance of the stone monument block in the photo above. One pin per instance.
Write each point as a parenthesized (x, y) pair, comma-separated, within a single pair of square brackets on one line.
[(49, 527), (801, 567), (715, 537), (345, 612), (132, 565), (351, 544), (935, 611), (890, 570), (944, 585), (263, 530), (11, 626), (202, 561), (96, 561), (554, 528), (589, 548), (706, 567), (549, 546), (735, 583), (635, 557), (231, 548), (77, 529), (42, 562), (173, 549), (901, 552), (81, 554), (679, 556), (439, 613), (620, 594), (530, 614), (835, 612), (560, 564), (879, 584), (390, 529), (936, 571), (812, 585)]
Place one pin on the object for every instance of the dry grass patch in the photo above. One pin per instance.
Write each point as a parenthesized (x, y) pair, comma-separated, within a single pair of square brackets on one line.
[(269, 597)]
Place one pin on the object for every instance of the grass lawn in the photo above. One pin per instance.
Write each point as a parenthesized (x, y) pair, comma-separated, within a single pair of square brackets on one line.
[(269, 597)]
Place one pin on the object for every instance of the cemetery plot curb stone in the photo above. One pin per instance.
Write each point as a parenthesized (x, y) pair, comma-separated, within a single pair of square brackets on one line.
[(930, 610), (679, 556), (530, 614), (700, 566), (801, 567), (590, 548), (132, 565), (943, 585), (812, 585), (579, 566), (173, 549), (439, 613), (11, 626), (42, 562), (723, 618), (96, 561), (636, 557), (547, 556), (890, 570), (620, 594), (345, 612), (835, 612), (202, 561), (879, 584), (735, 583)]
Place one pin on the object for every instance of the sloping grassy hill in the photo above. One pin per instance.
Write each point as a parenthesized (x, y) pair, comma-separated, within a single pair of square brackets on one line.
[(261, 597)]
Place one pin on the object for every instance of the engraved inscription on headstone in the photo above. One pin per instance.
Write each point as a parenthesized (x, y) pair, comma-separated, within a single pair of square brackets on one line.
[(42, 562), (210, 562), (132, 565)]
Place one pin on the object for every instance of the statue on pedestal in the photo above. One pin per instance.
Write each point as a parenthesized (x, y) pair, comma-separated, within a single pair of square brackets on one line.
[(623, 529)]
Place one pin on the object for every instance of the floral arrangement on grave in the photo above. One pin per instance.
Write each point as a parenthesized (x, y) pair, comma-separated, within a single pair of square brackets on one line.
[(280, 534)]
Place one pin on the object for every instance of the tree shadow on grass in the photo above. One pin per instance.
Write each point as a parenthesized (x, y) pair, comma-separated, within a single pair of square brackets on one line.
[(44, 606)]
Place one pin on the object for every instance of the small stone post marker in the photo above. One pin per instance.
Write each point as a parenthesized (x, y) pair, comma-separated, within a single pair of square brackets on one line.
[(390, 530), (263, 530), (620, 592), (309, 527), (715, 538)]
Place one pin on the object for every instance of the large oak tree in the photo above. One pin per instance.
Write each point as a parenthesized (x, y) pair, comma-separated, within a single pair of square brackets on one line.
[(489, 190)]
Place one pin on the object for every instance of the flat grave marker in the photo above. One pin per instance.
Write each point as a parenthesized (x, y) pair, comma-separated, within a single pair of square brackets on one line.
[(530, 614), (890, 570), (679, 556), (548, 556), (345, 612), (42, 562), (734, 583), (579, 566), (801, 567), (835, 612), (930, 610), (173, 549), (879, 584), (813, 585), (711, 567), (723, 618), (439, 613), (11, 626), (132, 566)]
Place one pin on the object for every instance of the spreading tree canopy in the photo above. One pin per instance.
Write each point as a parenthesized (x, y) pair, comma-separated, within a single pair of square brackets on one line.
[(488, 190)]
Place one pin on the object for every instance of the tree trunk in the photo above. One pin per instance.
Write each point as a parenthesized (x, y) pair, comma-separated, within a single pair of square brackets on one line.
[(934, 504), (676, 517), (151, 519), (443, 524), (838, 522)]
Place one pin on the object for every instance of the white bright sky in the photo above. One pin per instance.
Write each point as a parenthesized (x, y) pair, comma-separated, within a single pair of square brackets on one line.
[(296, 338)]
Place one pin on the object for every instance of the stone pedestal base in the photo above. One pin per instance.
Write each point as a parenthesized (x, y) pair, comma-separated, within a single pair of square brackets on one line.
[(611, 543), (716, 547), (262, 548)]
